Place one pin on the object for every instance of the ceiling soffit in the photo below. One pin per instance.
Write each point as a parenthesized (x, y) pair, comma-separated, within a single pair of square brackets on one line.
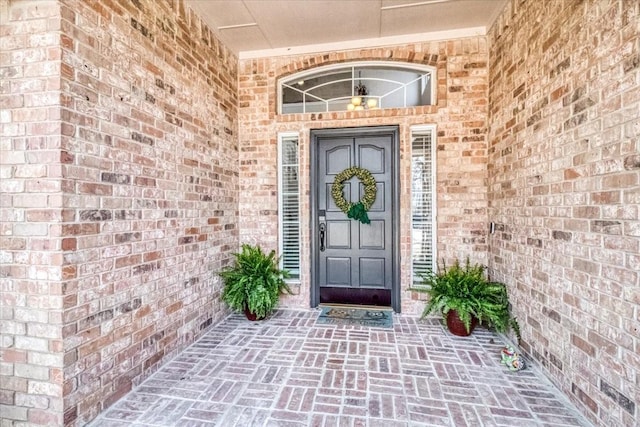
[(253, 28)]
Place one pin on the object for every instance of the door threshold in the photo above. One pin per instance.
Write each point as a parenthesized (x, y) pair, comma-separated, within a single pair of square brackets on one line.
[(364, 306)]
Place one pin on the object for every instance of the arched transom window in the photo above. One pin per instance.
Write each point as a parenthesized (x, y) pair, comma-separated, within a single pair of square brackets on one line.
[(357, 86)]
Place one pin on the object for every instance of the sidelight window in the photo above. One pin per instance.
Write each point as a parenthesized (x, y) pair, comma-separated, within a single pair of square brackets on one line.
[(289, 203), (422, 200)]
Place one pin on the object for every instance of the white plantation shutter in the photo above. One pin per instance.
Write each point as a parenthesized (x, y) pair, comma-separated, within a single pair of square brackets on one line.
[(289, 203), (422, 201)]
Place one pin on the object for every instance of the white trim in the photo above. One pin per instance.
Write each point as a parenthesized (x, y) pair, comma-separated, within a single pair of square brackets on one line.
[(434, 206), (422, 128), (344, 65), (364, 43), (281, 136), (360, 64), (233, 27), (420, 3)]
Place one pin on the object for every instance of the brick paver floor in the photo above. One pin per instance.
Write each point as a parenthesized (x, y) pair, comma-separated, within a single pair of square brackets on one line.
[(291, 371)]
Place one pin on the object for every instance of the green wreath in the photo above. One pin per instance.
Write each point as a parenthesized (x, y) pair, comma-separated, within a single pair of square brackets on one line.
[(355, 210)]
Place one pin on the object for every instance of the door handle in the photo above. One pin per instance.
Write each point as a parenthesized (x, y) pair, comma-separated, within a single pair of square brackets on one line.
[(322, 233)]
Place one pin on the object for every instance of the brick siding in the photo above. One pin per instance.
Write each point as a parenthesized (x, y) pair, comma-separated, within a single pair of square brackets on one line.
[(137, 152), (119, 158), (31, 262), (564, 191)]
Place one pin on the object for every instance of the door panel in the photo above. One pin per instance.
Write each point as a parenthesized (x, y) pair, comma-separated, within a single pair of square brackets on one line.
[(339, 235), (356, 264), (372, 158), (373, 236), (372, 272), (338, 271)]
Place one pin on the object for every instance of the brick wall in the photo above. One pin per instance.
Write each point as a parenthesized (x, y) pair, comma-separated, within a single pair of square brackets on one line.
[(120, 184), (125, 180), (31, 208), (460, 117), (564, 190)]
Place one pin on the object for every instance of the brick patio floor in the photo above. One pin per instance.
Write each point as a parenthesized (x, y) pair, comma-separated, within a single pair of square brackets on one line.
[(290, 371)]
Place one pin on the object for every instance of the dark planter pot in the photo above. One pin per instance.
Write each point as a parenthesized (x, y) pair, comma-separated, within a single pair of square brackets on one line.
[(251, 316), (456, 326)]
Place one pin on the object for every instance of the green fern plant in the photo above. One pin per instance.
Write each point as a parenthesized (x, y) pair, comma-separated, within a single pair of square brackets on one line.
[(254, 282), (465, 289)]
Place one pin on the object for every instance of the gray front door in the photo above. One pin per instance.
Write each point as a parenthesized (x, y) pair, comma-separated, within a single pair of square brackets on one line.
[(355, 263)]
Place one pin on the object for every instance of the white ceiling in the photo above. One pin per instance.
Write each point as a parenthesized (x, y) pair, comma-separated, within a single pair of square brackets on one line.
[(274, 27)]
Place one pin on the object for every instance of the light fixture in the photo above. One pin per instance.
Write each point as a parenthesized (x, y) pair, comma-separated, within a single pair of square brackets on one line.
[(359, 101)]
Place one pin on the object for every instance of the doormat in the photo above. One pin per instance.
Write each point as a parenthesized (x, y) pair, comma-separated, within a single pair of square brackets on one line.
[(362, 316)]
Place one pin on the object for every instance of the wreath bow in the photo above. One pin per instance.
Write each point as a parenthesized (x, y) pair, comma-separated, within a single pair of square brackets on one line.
[(357, 210)]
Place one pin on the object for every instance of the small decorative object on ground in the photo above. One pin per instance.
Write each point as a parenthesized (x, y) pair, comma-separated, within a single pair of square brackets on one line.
[(358, 210), (511, 359)]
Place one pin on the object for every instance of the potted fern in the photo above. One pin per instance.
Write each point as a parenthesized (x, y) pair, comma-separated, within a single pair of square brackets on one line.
[(465, 297), (254, 282)]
